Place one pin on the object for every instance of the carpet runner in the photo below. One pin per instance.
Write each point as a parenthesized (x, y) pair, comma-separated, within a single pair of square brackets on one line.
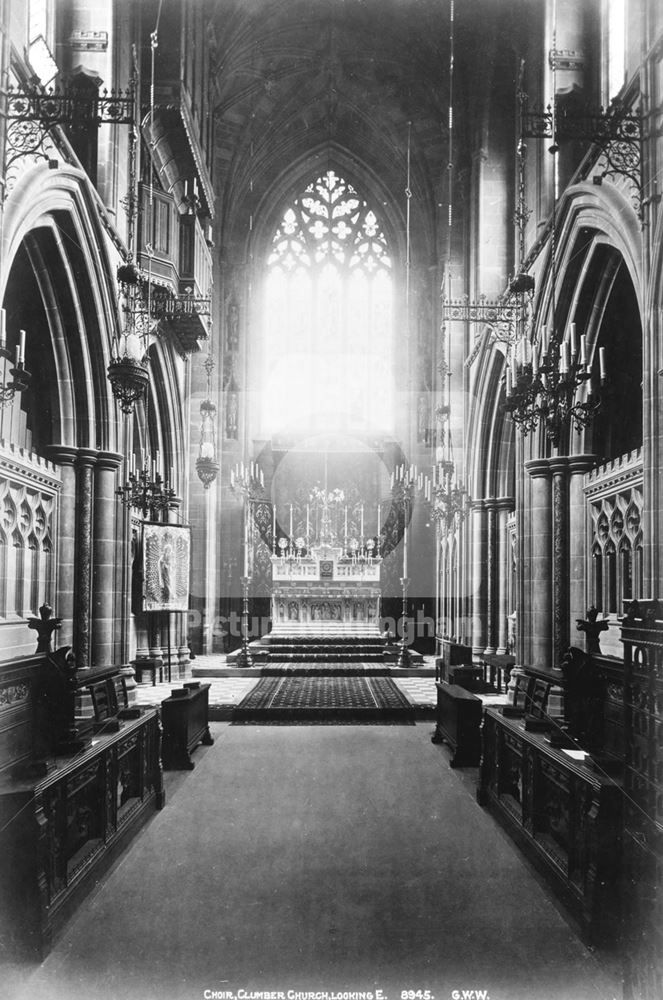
[(324, 700)]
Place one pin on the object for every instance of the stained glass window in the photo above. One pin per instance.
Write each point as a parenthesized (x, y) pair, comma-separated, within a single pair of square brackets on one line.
[(328, 315)]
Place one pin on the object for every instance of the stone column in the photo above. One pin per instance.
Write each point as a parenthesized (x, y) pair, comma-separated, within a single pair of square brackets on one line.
[(579, 465), (491, 575), (538, 588), (105, 548), (479, 531), (504, 509), (560, 569), (66, 573), (85, 462)]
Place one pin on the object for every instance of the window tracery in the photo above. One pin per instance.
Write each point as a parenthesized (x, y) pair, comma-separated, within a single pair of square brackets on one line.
[(328, 314)]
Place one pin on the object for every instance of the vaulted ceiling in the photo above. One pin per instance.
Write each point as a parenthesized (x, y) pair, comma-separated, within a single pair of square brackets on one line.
[(303, 83)]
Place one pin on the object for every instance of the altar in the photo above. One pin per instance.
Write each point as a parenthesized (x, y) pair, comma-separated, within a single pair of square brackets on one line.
[(326, 592)]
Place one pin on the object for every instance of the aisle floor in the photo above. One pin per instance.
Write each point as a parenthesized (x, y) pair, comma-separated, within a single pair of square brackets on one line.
[(333, 859)]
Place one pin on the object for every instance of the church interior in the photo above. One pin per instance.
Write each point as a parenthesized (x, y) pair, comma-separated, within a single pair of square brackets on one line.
[(331, 538)]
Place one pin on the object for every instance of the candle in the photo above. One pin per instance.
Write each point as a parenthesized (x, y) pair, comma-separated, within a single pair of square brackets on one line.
[(291, 522), (509, 386), (274, 524), (574, 341), (583, 350), (133, 464), (17, 360), (544, 339), (602, 363), (535, 358), (361, 515), (21, 344), (378, 531), (307, 522), (346, 522), (246, 538), (3, 331)]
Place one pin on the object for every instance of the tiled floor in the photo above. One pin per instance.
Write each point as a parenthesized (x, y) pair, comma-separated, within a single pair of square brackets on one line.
[(229, 691), (223, 690)]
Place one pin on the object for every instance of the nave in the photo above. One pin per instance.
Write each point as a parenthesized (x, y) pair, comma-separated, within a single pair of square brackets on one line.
[(332, 858)]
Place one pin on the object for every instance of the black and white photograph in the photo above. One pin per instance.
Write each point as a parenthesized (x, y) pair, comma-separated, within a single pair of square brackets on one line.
[(331, 519)]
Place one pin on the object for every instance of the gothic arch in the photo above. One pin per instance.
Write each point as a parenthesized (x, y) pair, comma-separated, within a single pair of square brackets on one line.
[(51, 222)]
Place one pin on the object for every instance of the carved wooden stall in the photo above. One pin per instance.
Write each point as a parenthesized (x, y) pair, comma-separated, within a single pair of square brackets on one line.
[(642, 636), (72, 793), (566, 816)]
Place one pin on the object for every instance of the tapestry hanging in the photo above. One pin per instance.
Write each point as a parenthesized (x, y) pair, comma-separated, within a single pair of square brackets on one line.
[(166, 566)]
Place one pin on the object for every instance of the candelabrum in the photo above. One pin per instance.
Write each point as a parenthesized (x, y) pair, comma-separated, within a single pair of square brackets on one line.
[(148, 493), (20, 376), (246, 479), (543, 382), (451, 499), (404, 483)]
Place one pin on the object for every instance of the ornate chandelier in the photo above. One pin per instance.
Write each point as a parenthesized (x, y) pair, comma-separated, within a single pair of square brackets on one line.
[(450, 498), (147, 492), (543, 383), (20, 376)]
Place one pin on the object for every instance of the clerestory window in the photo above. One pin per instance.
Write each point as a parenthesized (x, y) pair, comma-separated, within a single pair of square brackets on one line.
[(328, 315)]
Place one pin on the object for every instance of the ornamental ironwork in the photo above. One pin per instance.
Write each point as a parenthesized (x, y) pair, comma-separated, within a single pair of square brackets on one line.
[(70, 106), (616, 131)]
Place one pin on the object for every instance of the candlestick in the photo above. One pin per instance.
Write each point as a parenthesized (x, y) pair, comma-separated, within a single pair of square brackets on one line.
[(405, 542)]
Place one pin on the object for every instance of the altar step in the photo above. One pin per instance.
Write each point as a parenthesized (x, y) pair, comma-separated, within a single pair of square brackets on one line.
[(321, 651), (334, 631)]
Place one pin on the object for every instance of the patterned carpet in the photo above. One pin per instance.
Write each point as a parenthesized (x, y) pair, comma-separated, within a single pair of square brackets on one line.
[(333, 700)]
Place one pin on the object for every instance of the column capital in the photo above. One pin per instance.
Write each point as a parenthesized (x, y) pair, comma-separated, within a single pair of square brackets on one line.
[(110, 460), (506, 503), (558, 464), (581, 463), (61, 454), (86, 456), (538, 467)]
